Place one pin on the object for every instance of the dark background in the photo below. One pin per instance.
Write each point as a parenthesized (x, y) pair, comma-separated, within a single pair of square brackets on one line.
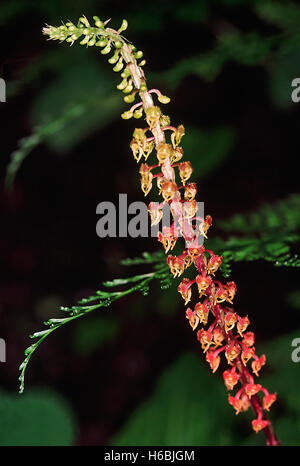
[(134, 373)]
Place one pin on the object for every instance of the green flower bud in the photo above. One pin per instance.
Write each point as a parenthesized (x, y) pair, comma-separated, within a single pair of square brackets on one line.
[(118, 44), (125, 73), (143, 87), (163, 99), (124, 25), (122, 84), (129, 99), (114, 58), (138, 54), (91, 42), (138, 113), (106, 49), (84, 21), (142, 63), (102, 42), (128, 89), (85, 40), (86, 32), (98, 22), (127, 115), (118, 66)]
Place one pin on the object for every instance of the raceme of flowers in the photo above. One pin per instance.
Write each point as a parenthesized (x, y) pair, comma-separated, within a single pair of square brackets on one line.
[(221, 332)]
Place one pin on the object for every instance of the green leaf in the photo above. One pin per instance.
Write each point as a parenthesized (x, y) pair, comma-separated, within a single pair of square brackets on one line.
[(39, 418)]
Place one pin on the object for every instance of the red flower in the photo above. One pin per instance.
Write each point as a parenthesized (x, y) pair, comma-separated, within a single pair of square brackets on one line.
[(242, 324), (247, 354), (238, 405), (213, 359), (214, 263), (176, 264), (202, 311), (231, 288), (268, 400), (252, 389), (232, 351), (248, 339), (193, 318), (229, 321), (257, 364), (203, 281), (231, 378), (218, 336), (205, 338), (259, 424), (184, 289)]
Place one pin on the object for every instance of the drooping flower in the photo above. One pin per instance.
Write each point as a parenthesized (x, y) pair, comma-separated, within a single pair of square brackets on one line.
[(268, 400), (259, 424), (257, 364), (231, 378), (184, 288)]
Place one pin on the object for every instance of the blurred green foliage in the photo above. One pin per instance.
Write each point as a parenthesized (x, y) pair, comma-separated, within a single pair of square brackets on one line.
[(248, 49), (89, 101), (279, 217), (207, 149), (39, 418), (180, 409), (188, 405), (94, 332)]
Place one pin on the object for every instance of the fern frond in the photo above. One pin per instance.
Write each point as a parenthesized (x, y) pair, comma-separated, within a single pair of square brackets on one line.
[(92, 303), (281, 216), (271, 248)]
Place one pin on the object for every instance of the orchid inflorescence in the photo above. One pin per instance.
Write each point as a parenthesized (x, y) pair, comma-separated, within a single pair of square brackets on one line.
[(223, 331)]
